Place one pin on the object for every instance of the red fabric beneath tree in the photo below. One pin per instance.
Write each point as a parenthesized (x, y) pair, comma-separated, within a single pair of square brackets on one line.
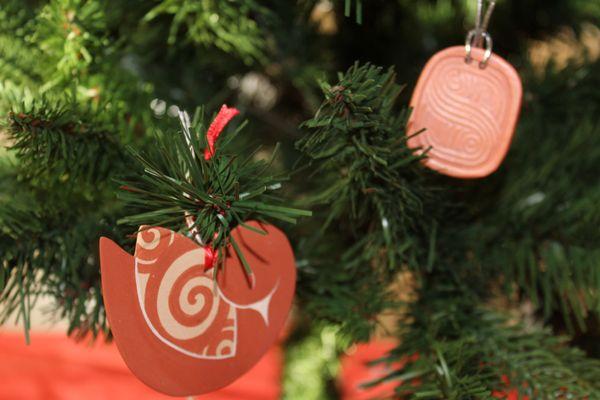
[(54, 367), (355, 372)]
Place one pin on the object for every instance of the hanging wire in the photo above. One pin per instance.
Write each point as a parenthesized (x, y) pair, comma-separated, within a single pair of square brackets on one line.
[(481, 26), (479, 35), (190, 221)]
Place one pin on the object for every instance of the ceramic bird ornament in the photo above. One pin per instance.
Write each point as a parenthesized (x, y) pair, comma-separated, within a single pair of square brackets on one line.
[(185, 322), (181, 331)]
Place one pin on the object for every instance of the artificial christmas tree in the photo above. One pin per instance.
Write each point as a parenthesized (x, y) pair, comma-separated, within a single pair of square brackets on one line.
[(490, 280)]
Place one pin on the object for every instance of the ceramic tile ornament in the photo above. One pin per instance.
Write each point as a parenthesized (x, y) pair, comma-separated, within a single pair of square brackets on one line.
[(467, 103), (180, 331)]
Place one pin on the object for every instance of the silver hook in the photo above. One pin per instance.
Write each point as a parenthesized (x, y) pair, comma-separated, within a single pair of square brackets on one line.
[(476, 36), (471, 36)]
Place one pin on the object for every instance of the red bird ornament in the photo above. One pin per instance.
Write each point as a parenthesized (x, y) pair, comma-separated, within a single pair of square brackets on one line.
[(181, 331)]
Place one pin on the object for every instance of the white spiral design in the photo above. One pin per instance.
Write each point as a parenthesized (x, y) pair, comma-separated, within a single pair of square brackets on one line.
[(152, 244), (179, 300), (195, 299)]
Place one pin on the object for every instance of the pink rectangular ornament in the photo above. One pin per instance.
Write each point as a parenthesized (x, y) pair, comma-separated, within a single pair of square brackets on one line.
[(469, 111)]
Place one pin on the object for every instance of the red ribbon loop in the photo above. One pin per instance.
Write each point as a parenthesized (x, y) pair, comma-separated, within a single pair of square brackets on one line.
[(216, 127), (223, 117), (209, 257)]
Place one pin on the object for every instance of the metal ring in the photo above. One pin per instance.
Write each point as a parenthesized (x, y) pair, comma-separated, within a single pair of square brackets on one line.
[(472, 36)]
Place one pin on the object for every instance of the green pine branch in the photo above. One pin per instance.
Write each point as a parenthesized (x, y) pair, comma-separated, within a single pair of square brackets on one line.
[(71, 34), (370, 196), (54, 140), (235, 27), (16, 51), (48, 245), (56, 196), (456, 349), (220, 194)]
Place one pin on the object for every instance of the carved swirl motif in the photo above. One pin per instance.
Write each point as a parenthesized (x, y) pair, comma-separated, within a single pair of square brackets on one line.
[(467, 105), (468, 113)]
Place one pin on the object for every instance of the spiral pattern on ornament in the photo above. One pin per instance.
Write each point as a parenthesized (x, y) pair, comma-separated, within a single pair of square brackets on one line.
[(467, 104), (186, 303), (151, 242), (148, 239)]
